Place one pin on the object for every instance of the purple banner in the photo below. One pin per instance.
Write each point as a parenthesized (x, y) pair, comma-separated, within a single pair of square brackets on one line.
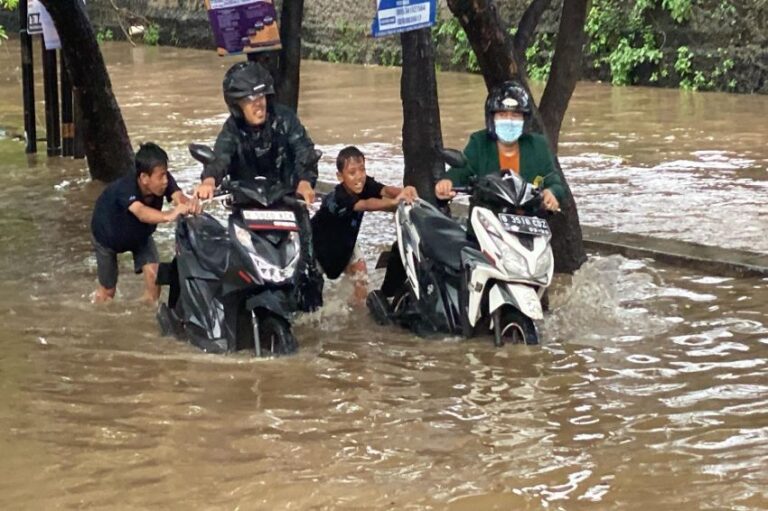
[(243, 25)]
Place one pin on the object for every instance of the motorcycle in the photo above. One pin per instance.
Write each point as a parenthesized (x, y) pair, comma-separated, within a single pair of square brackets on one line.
[(233, 287), (456, 285)]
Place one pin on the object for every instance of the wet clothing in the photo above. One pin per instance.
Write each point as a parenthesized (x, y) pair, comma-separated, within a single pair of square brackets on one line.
[(106, 261), (279, 150), (336, 225), (535, 160), (114, 226)]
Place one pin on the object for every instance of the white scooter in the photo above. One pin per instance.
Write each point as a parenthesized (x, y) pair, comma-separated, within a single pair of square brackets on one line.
[(457, 285)]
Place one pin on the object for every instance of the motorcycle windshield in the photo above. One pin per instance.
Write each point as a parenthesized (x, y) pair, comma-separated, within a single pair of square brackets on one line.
[(257, 192), (508, 191)]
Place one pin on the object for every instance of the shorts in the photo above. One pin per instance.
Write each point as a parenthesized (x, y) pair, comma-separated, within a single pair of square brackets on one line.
[(106, 261), (356, 256)]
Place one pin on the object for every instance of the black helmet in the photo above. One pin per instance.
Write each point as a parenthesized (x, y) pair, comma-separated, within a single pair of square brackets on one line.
[(245, 79), (510, 96)]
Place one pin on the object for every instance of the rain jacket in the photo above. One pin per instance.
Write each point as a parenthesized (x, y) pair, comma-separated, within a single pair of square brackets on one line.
[(482, 155), (279, 150)]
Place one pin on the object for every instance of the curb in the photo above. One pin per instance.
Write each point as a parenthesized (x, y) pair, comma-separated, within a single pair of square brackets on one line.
[(706, 258)]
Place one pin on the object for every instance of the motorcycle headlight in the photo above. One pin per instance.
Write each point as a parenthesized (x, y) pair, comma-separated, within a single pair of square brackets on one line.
[(244, 237), (514, 263), (542, 265)]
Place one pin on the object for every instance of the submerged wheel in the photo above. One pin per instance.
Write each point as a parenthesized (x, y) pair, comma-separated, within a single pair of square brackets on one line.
[(275, 336), (517, 328)]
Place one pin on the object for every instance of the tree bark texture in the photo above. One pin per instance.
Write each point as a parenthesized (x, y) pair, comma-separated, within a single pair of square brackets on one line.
[(107, 146), (566, 67), (526, 28), (290, 57), (421, 113), (497, 59), (488, 38)]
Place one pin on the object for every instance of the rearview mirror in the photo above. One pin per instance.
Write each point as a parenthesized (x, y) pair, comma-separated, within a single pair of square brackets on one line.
[(453, 157), (202, 153)]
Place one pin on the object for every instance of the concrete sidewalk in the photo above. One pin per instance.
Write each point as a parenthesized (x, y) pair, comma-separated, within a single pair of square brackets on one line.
[(705, 258)]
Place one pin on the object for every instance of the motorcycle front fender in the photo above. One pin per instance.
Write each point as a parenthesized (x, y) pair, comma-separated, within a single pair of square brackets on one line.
[(279, 302), (522, 297)]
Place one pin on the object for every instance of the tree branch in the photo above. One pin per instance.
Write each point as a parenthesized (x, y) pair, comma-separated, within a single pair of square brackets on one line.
[(566, 68), (527, 27)]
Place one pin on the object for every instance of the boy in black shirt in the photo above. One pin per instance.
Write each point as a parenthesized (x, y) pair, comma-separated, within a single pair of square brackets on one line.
[(127, 213), (337, 223)]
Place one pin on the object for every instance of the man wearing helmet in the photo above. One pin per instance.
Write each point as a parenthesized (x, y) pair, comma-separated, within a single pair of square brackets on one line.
[(263, 138), (260, 137), (502, 146)]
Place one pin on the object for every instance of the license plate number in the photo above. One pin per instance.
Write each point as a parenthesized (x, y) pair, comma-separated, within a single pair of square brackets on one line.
[(261, 219), (519, 224)]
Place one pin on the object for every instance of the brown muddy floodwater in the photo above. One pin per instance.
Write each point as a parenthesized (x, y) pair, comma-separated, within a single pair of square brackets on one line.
[(650, 390)]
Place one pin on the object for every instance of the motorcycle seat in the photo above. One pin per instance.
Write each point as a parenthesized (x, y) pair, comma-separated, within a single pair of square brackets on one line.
[(441, 238), (210, 242)]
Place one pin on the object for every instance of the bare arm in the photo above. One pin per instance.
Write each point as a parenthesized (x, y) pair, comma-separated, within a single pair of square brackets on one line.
[(383, 204), (390, 192), (149, 215)]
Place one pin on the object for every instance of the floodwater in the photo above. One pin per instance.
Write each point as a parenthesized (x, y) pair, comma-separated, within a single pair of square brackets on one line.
[(650, 390)]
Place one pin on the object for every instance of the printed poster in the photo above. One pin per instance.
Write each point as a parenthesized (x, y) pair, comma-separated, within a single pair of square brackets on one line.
[(243, 26), (395, 16), (40, 22)]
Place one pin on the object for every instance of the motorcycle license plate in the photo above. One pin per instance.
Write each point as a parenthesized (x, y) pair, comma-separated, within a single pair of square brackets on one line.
[(519, 224), (267, 219)]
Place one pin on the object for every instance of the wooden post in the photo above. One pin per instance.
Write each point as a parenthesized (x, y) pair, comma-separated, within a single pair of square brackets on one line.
[(51, 90), (67, 121), (27, 81)]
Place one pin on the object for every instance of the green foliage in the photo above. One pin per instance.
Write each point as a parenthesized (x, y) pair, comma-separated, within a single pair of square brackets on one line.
[(151, 34), (346, 42), (105, 34), (539, 57), (450, 31), (622, 36), (9, 5)]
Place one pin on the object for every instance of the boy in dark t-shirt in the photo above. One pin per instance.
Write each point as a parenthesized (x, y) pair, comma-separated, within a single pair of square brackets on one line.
[(127, 213), (336, 225)]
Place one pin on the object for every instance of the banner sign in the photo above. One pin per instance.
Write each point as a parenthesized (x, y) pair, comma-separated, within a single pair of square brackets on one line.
[(40, 22), (394, 16), (243, 26)]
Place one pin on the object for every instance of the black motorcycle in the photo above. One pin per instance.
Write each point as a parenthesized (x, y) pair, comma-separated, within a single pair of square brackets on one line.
[(234, 286)]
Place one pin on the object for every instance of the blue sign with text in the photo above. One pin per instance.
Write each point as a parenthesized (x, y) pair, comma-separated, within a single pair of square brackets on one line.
[(394, 16)]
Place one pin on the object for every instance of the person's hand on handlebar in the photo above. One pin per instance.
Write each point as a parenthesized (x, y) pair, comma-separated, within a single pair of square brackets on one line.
[(205, 189), (305, 190), (549, 201), (444, 189), (408, 194)]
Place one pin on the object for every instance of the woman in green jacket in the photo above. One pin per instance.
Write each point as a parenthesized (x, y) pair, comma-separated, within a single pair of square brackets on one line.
[(502, 146)]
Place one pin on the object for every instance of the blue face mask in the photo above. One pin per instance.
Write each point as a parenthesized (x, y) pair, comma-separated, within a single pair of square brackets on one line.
[(508, 130)]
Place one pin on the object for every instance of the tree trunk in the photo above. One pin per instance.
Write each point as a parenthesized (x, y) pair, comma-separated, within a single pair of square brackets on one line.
[(496, 56), (566, 66), (290, 56), (488, 38), (526, 28), (107, 146), (421, 113)]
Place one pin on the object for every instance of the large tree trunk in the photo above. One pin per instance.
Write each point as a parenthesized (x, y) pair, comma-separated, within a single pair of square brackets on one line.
[(290, 56), (496, 56), (566, 66), (107, 146), (421, 113)]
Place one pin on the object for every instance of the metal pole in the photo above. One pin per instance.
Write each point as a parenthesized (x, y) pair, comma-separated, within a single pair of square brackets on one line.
[(27, 80), (67, 123), (51, 89)]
